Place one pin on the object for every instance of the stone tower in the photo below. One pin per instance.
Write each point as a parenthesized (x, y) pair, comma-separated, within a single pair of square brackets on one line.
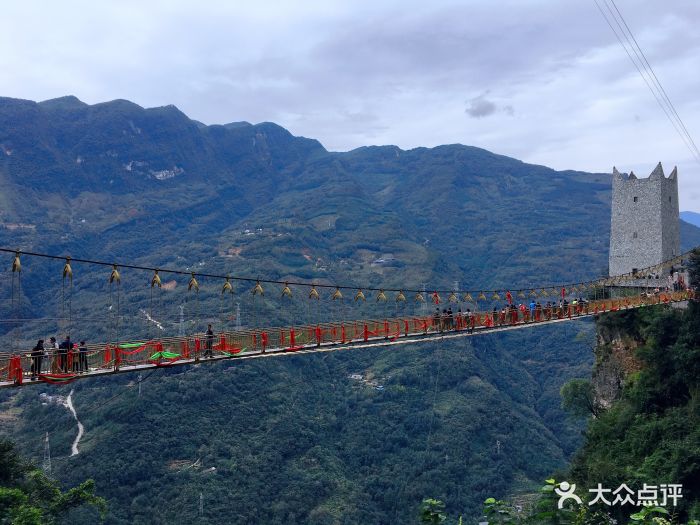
[(644, 227)]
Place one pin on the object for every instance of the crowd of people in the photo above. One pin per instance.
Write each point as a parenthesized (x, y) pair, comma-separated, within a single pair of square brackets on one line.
[(509, 313), (54, 357)]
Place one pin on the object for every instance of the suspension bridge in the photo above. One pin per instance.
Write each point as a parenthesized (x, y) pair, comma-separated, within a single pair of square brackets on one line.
[(477, 312)]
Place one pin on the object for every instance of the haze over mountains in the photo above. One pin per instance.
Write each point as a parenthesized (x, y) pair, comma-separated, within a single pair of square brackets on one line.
[(297, 440), (691, 217), (452, 212)]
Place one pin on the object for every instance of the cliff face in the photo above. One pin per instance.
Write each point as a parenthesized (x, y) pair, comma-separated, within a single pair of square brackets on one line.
[(614, 361), (647, 376)]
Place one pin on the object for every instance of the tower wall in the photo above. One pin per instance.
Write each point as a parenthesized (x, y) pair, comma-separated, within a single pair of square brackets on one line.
[(644, 226)]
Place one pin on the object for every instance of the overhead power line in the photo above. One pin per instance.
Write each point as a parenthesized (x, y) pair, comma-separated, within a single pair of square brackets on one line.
[(627, 40)]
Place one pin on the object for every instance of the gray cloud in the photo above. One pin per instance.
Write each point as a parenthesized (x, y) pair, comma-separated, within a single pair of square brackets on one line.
[(480, 107)]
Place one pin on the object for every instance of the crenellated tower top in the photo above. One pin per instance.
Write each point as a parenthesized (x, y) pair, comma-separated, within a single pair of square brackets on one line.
[(644, 225)]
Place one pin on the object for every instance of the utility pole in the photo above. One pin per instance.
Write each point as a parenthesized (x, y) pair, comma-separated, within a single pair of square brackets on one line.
[(139, 379), (201, 504), (47, 455), (498, 447), (238, 317)]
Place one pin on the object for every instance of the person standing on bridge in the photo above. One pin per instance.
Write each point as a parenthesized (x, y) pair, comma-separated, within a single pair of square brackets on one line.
[(436, 320), (37, 355), (82, 359), (209, 342), (51, 355), (63, 349)]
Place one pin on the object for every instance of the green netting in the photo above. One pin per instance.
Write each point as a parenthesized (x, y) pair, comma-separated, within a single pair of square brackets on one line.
[(164, 355), (130, 345)]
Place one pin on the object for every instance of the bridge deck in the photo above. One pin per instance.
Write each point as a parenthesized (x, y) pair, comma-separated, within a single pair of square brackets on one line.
[(106, 359)]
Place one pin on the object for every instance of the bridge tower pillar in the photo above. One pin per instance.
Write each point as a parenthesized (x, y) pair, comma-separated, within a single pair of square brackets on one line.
[(644, 224)]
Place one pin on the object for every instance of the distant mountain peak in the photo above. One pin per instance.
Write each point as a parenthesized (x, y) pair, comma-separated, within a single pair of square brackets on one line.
[(67, 102), (237, 125), (118, 103), (691, 217)]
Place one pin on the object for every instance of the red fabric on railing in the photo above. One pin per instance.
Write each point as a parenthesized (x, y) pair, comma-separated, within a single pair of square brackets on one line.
[(15, 372), (57, 379)]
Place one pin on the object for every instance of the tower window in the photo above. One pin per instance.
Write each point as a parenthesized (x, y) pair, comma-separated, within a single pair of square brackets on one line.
[(636, 199), (634, 235)]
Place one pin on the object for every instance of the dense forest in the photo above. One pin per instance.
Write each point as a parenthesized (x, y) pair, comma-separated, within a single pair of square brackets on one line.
[(642, 403)]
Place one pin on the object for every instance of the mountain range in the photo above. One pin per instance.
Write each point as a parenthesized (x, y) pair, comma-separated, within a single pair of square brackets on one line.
[(295, 441)]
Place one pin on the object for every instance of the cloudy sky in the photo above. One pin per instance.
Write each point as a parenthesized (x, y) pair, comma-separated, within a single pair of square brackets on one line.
[(544, 81)]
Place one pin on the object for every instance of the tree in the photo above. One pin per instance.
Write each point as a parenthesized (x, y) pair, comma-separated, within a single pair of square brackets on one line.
[(29, 497), (578, 398), (432, 511), (694, 268)]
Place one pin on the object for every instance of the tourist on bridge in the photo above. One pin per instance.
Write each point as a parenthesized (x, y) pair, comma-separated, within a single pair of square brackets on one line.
[(209, 342), (73, 357), (502, 317), (82, 360), (63, 349), (37, 355), (51, 355), (450, 319), (471, 320), (437, 320), (524, 313)]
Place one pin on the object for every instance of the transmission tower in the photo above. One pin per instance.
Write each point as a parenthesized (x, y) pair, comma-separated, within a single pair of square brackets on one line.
[(201, 504), (47, 455), (181, 326), (238, 317), (139, 379)]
